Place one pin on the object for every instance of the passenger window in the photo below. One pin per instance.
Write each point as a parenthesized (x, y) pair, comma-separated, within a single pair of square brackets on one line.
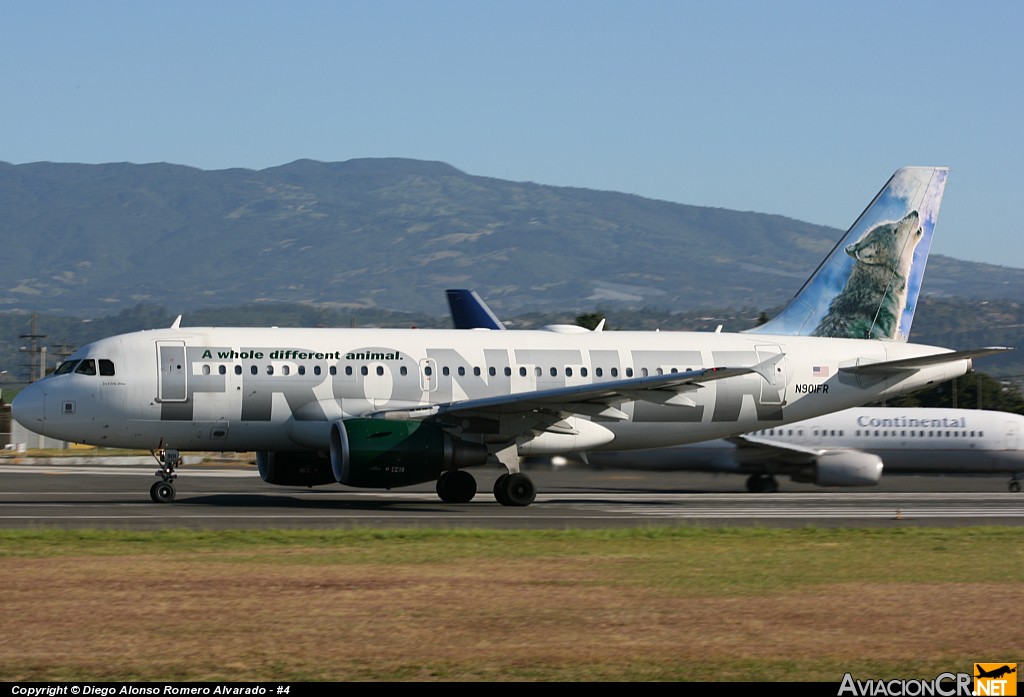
[(364, 370), (106, 367), (462, 370), (629, 372), (599, 372), (206, 370), (380, 370), (238, 370), (223, 370), (254, 370), (403, 370), (334, 370)]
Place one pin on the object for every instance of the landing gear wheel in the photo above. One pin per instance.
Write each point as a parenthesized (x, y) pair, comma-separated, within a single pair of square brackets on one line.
[(1014, 486), (762, 484), (456, 487), (169, 459), (162, 492), (516, 490), (499, 490)]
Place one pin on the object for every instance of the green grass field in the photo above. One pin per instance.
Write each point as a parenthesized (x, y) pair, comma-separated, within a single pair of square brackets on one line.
[(686, 603)]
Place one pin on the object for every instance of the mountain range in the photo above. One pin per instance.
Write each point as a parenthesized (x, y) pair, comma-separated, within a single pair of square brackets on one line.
[(392, 234)]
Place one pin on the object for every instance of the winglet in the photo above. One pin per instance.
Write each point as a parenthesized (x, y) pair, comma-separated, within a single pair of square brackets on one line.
[(868, 286), (177, 323)]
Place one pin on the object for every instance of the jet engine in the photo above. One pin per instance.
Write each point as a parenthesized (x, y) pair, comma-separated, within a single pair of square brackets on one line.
[(294, 468), (844, 468), (381, 453)]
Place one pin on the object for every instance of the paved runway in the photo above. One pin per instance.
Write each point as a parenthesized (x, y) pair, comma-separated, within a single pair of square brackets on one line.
[(212, 497)]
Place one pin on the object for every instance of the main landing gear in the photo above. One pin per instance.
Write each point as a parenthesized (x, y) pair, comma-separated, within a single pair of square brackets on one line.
[(1014, 484), (762, 484), (163, 491), (459, 486), (515, 489)]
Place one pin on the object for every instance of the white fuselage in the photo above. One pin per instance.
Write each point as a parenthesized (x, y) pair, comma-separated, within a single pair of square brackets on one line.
[(908, 440), (280, 389)]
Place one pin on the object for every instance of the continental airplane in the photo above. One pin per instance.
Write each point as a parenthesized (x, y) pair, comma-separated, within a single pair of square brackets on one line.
[(850, 448), (386, 408), (845, 448)]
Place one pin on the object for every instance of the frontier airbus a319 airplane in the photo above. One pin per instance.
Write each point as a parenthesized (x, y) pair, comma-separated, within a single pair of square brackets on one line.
[(387, 408)]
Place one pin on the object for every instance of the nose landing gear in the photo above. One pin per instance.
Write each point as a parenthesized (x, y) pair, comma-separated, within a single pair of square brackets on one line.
[(163, 491)]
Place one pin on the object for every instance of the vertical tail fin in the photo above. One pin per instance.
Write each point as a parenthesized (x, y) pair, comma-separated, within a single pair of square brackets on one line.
[(470, 312), (868, 285)]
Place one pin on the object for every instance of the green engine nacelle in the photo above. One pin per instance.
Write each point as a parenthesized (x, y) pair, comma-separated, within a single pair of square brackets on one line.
[(380, 453)]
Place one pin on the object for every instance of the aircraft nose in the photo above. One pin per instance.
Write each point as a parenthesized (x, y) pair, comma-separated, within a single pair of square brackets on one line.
[(27, 407)]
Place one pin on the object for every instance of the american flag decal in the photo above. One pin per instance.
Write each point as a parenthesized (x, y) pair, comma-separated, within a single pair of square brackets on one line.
[(820, 371)]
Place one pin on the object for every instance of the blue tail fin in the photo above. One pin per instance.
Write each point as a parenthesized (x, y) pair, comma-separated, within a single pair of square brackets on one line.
[(470, 312), (867, 287)]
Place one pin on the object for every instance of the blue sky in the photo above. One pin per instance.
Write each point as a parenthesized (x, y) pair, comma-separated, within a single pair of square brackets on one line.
[(798, 108)]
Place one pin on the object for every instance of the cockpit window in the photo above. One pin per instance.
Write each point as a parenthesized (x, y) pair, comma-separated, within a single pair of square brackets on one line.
[(65, 367), (86, 367), (106, 367)]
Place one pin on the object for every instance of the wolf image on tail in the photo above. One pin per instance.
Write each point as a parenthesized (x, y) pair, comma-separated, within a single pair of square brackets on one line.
[(879, 279), (868, 286)]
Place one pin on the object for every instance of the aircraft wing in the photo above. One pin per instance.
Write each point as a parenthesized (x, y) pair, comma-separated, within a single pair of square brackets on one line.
[(750, 448), (884, 368), (592, 399)]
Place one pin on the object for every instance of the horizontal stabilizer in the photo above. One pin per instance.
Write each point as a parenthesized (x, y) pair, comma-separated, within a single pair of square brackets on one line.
[(904, 364)]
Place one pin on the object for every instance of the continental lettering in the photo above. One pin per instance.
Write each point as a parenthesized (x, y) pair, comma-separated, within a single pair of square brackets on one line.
[(911, 422)]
